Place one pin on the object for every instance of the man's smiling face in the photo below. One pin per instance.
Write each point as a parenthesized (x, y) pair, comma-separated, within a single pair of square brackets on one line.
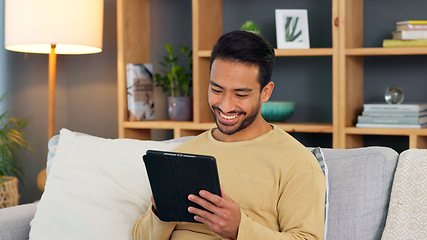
[(234, 96)]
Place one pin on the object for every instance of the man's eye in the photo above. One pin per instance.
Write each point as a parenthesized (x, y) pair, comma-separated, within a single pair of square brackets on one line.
[(216, 91), (241, 95)]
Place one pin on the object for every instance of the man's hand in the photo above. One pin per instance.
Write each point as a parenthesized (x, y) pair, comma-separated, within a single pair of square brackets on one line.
[(220, 214)]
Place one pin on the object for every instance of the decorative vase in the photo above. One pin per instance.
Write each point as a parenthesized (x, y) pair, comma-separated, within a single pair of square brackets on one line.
[(9, 195), (180, 108)]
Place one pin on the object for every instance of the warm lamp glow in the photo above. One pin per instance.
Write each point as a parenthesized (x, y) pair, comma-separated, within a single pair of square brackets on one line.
[(60, 48), (74, 26)]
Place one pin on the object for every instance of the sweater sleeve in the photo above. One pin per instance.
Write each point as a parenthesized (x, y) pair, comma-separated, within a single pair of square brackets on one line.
[(149, 226), (300, 211)]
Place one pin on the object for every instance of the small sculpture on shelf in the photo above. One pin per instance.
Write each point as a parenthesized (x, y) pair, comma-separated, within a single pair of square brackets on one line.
[(394, 95)]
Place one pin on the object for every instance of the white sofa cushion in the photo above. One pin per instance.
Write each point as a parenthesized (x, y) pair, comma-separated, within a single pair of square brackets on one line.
[(96, 188)]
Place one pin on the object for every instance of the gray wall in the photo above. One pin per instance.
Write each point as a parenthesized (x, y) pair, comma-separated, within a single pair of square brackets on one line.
[(87, 89)]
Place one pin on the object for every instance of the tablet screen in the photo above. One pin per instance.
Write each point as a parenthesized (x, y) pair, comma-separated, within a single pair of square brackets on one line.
[(173, 176)]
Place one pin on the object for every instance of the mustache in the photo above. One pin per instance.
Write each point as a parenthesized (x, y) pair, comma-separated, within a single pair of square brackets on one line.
[(234, 111)]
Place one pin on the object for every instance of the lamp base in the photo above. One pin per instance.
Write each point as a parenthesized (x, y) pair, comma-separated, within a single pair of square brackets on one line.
[(41, 179)]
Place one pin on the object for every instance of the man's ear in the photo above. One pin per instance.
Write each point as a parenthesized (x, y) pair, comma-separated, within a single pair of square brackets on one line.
[(267, 91)]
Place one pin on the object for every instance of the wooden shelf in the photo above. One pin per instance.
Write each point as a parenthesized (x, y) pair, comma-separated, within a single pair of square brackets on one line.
[(387, 131), (386, 51), (304, 52), (347, 53), (204, 53), (141, 129), (417, 137), (207, 27), (287, 52), (351, 79), (166, 124), (306, 127), (291, 127)]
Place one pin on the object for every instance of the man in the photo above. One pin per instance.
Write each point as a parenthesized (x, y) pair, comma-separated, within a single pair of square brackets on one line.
[(273, 187)]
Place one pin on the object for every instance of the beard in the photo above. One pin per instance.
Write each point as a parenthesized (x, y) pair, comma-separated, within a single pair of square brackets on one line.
[(230, 129)]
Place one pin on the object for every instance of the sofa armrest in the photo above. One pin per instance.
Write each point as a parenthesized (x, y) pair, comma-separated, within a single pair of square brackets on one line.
[(15, 221)]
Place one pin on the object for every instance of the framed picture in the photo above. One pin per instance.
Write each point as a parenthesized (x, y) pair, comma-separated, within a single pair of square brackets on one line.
[(292, 28)]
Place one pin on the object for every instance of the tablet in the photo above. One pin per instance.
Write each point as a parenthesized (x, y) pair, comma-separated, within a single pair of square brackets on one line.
[(173, 176)]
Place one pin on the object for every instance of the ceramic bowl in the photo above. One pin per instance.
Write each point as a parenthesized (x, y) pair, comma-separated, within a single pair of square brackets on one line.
[(277, 111)]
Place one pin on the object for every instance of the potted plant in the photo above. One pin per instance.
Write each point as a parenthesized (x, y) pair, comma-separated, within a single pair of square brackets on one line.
[(178, 80), (11, 141), (250, 26)]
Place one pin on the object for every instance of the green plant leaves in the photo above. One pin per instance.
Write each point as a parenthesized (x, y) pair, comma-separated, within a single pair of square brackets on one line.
[(175, 78), (169, 48), (250, 26), (11, 142)]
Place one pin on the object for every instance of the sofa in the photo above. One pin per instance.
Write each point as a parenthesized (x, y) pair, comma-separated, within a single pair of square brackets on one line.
[(96, 188)]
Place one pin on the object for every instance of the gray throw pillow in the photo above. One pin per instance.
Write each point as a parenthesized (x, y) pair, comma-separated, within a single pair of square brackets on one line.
[(359, 190), (321, 160)]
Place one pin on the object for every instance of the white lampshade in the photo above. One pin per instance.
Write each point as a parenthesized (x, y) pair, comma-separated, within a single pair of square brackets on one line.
[(74, 26)]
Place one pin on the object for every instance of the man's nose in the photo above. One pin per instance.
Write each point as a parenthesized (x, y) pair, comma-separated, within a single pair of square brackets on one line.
[(227, 103)]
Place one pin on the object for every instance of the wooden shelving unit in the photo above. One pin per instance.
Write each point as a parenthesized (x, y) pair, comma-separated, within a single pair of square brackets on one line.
[(350, 80), (347, 53)]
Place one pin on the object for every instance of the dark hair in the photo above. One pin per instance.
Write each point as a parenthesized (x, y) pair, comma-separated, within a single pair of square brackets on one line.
[(246, 47)]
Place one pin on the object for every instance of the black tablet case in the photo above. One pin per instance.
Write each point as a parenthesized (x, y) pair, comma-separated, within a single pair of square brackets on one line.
[(173, 176)]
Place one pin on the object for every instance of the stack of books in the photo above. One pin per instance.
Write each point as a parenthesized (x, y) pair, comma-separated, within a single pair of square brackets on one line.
[(411, 33), (393, 116)]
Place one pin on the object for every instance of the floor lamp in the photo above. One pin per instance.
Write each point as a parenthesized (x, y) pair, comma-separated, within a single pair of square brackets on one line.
[(53, 27)]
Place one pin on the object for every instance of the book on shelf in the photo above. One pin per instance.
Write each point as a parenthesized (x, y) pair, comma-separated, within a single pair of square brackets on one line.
[(413, 27), (139, 79), (389, 43), (385, 125), (411, 22), (394, 114), (407, 107), (410, 34), (389, 120)]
